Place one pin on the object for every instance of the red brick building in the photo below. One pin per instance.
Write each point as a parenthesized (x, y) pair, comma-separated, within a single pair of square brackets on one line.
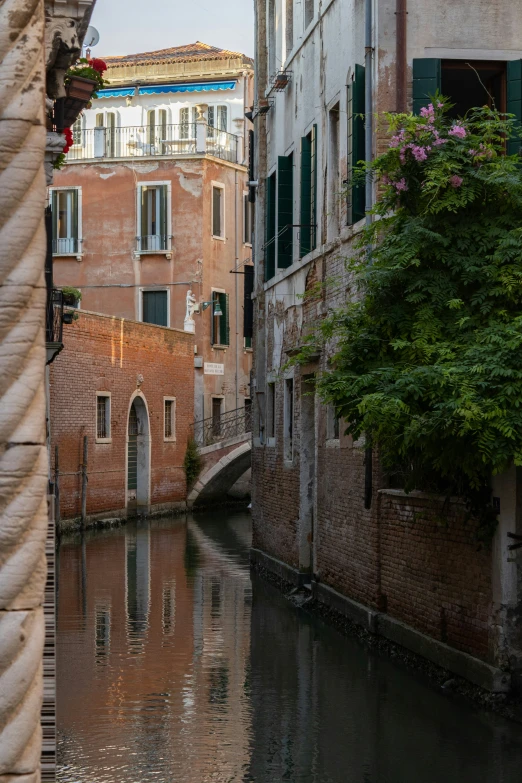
[(128, 387)]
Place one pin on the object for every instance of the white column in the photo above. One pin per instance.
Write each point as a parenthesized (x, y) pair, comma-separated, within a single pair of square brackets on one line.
[(23, 455)]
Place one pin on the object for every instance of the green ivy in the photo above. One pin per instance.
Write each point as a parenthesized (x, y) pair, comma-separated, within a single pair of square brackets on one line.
[(192, 463), (426, 358)]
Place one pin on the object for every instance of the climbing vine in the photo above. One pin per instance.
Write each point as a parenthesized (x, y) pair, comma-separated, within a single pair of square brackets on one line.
[(426, 358)]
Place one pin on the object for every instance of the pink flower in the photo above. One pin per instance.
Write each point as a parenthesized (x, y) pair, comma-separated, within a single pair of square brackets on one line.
[(419, 153), (428, 111), (439, 142), (456, 181), (472, 152), (385, 179), (400, 185), (440, 105), (459, 131)]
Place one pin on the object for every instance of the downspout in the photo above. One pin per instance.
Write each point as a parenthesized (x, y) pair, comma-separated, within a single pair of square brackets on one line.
[(401, 54), (368, 62), (236, 264), (368, 110)]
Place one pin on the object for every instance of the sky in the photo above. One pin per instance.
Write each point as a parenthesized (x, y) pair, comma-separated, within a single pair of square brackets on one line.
[(133, 26)]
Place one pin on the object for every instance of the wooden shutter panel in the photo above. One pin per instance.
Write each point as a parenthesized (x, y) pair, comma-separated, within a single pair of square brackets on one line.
[(163, 217), (155, 307), (427, 80), (285, 210), (270, 188), (248, 304), (305, 217), (514, 101), (74, 221), (224, 321), (358, 148)]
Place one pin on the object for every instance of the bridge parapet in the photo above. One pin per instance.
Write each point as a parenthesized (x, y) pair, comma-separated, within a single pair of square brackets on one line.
[(216, 429)]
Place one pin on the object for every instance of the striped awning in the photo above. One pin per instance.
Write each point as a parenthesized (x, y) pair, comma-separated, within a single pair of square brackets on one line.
[(161, 89)]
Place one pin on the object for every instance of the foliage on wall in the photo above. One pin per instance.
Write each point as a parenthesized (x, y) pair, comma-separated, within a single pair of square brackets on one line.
[(426, 358)]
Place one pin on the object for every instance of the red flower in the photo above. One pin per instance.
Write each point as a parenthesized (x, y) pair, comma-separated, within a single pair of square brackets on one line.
[(98, 65), (69, 140)]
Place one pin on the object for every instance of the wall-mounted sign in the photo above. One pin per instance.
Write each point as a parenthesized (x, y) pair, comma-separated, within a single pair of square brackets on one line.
[(212, 368)]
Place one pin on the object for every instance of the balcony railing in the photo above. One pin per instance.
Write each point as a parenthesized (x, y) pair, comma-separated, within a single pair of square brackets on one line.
[(66, 246), (153, 242), (146, 141), (54, 317), (226, 425)]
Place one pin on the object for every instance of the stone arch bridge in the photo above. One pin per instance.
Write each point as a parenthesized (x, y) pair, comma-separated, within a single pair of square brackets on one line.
[(225, 447)]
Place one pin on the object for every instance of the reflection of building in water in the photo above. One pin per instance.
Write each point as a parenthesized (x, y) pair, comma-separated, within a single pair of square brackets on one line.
[(137, 572)]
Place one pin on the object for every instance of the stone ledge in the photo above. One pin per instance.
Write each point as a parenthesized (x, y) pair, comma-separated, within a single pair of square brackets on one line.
[(460, 663), (223, 444), (278, 567)]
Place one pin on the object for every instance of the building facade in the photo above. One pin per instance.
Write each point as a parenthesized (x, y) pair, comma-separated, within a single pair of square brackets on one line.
[(151, 217), (121, 403), (323, 511)]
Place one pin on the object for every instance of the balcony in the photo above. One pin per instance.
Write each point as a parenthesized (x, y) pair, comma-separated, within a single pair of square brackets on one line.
[(166, 141), (54, 324)]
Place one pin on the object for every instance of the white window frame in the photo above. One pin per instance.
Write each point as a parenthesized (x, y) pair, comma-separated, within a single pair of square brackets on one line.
[(144, 289), (82, 121), (106, 395), (270, 415), (171, 438), (332, 441), (218, 346), (288, 420), (155, 184), (78, 188), (223, 211), (190, 125)]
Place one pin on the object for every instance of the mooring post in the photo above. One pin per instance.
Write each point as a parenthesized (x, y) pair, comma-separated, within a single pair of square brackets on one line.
[(84, 481)]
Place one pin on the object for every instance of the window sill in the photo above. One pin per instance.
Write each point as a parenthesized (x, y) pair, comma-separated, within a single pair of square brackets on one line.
[(333, 443), (220, 239), (103, 440), (167, 253), (271, 442), (169, 440), (248, 350), (219, 347), (77, 256)]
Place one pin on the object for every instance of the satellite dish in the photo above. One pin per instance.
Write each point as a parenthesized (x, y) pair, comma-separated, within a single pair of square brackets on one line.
[(92, 37)]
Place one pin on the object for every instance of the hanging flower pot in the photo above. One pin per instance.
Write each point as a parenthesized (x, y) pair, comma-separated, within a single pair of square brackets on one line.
[(81, 89)]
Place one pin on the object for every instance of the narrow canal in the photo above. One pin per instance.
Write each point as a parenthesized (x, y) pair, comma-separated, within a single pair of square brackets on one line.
[(175, 667)]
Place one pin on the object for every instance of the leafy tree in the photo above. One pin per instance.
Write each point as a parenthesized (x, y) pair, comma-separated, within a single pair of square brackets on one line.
[(426, 358)]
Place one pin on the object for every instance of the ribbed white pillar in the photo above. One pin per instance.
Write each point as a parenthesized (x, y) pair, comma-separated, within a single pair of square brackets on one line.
[(23, 457)]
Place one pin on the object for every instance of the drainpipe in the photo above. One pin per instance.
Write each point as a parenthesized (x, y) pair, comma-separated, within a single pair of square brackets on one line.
[(236, 264), (401, 54), (368, 62)]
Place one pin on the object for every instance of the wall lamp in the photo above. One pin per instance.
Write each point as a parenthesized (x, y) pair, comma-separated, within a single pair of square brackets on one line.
[(217, 307)]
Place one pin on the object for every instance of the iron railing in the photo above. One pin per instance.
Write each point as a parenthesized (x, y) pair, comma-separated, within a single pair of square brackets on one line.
[(227, 425), (66, 246), (153, 141), (153, 242), (54, 317)]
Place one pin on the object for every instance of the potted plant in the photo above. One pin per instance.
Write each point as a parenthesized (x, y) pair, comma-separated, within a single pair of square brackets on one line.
[(281, 80), (71, 296), (82, 81)]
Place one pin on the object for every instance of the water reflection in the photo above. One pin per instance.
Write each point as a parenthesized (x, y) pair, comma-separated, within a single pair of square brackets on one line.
[(173, 666)]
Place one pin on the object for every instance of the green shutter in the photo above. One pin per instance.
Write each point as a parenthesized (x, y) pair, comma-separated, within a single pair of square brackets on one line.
[(305, 219), (285, 210), (313, 191), (427, 81), (155, 307), (270, 187), (514, 101), (356, 145), (224, 321)]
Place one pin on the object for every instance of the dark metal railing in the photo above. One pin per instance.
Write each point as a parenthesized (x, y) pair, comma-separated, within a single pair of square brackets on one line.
[(54, 317), (227, 425), (66, 246), (152, 242), (153, 141)]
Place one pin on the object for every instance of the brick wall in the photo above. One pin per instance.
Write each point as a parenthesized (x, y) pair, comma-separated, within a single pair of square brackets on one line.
[(104, 353)]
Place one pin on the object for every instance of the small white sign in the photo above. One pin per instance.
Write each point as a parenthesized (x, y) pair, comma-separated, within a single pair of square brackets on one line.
[(212, 368)]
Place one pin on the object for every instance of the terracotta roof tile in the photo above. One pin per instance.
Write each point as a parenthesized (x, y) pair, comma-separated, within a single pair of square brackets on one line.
[(188, 53)]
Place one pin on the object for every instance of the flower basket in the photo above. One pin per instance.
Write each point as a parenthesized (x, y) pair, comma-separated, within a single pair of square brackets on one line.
[(79, 92)]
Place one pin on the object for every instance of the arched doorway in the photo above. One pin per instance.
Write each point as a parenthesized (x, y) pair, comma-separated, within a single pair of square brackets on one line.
[(138, 456)]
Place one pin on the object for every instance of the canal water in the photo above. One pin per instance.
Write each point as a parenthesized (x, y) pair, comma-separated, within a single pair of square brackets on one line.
[(176, 666)]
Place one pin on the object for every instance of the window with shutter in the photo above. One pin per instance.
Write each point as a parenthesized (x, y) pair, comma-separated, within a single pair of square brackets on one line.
[(65, 213), (155, 307), (218, 206), (514, 101), (307, 218), (356, 202), (248, 305), (77, 131), (187, 123), (153, 222), (221, 323), (270, 223), (285, 210), (427, 81)]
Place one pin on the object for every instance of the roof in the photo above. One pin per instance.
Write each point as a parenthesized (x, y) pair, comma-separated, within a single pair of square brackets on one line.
[(182, 54)]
